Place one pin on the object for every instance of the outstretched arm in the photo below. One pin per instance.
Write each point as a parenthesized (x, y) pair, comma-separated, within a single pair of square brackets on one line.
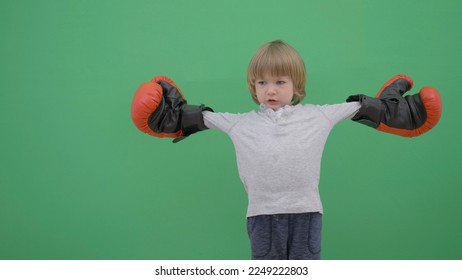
[(391, 112), (161, 110)]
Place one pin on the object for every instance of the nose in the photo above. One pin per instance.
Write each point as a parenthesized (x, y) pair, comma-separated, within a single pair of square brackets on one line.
[(271, 90)]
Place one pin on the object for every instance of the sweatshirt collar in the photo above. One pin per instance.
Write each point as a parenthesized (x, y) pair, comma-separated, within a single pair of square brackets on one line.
[(281, 112)]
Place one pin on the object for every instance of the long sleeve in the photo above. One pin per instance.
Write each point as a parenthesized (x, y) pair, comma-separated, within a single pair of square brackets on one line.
[(220, 121), (338, 112)]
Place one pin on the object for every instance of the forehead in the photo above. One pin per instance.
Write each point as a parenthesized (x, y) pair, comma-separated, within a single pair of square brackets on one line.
[(271, 76)]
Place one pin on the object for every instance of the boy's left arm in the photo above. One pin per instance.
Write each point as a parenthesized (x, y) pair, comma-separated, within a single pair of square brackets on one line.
[(391, 112)]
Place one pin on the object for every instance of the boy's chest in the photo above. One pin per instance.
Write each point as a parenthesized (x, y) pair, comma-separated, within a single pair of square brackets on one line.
[(297, 134)]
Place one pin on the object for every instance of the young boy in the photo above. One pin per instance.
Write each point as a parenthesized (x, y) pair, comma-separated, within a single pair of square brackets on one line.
[(278, 151), (278, 148)]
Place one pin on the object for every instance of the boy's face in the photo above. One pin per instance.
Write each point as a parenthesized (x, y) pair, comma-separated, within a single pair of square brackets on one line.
[(274, 92)]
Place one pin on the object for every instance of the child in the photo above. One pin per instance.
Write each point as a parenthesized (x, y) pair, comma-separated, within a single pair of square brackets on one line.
[(278, 148)]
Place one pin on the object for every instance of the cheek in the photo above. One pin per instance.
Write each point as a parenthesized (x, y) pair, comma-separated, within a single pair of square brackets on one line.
[(259, 95), (292, 93), (289, 95), (290, 98)]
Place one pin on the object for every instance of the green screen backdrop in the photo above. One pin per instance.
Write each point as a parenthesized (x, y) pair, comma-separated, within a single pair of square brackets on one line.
[(79, 181)]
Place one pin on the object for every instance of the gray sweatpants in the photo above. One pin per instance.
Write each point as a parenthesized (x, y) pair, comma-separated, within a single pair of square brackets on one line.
[(285, 236)]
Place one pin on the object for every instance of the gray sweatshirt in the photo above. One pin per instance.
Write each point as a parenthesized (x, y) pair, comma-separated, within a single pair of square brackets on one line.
[(279, 153)]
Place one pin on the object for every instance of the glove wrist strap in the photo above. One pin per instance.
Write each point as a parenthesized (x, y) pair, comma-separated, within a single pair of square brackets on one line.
[(192, 119), (371, 111)]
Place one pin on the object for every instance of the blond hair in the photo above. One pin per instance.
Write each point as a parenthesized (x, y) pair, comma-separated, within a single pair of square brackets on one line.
[(277, 58)]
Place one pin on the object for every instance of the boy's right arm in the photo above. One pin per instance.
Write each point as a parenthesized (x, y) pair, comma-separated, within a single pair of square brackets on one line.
[(161, 110), (221, 121)]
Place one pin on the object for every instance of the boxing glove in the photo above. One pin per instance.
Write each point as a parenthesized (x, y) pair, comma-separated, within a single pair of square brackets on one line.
[(160, 109), (391, 112)]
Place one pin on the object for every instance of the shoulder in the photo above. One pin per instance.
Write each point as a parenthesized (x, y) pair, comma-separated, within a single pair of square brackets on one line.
[(335, 112), (332, 108)]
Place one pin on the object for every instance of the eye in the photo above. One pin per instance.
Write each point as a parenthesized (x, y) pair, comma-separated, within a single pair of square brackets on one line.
[(281, 82), (261, 83)]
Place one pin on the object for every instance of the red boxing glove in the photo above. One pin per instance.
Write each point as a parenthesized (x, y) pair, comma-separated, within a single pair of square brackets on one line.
[(390, 112), (161, 110), (149, 98)]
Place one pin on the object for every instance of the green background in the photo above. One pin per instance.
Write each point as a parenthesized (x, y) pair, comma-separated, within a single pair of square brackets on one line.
[(79, 181)]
